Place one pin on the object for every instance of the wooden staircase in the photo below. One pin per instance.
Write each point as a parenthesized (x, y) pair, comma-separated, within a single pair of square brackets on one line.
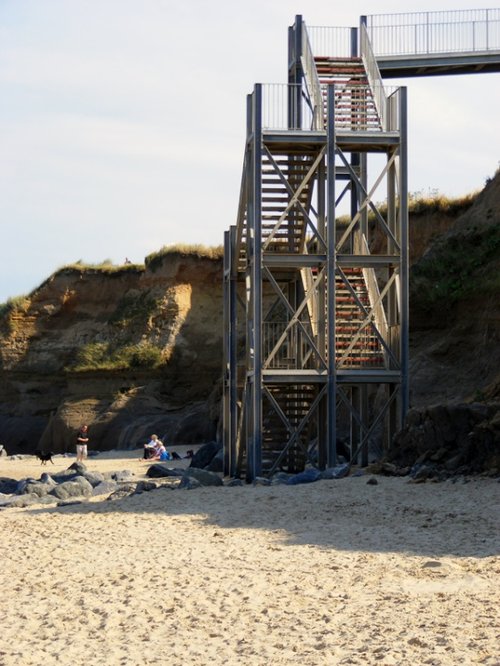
[(367, 350), (355, 108), (283, 226)]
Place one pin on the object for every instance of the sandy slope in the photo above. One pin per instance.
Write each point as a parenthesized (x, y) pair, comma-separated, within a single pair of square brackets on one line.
[(336, 572)]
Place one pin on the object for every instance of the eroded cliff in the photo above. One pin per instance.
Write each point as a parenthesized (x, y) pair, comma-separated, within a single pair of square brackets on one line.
[(130, 351)]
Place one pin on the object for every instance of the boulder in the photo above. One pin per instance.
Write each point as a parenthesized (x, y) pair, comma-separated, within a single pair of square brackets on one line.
[(104, 488), (94, 478), (337, 472), (217, 462), (189, 483), (205, 477), (145, 486), (307, 476), (123, 476), (8, 486), (125, 490), (235, 483), (37, 488), (205, 454), (78, 467), (77, 487), (160, 470)]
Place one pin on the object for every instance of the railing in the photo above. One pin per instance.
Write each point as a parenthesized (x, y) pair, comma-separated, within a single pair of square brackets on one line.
[(327, 41), (374, 78), (355, 108), (312, 81), (294, 351), (282, 104), (474, 30), (361, 247)]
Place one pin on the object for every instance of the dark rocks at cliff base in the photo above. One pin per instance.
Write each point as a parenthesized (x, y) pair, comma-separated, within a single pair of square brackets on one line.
[(205, 454), (160, 470), (205, 477), (7, 486), (445, 440)]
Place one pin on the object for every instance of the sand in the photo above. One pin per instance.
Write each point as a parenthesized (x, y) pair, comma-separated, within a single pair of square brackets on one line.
[(334, 572)]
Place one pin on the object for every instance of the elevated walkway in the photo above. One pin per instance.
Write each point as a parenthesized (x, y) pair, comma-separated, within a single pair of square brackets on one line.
[(435, 43)]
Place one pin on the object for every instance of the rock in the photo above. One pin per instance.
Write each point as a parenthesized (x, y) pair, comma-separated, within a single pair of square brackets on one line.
[(46, 478), (454, 462), (78, 487), (20, 501), (160, 470), (217, 462), (280, 479), (234, 483), (145, 486), (22, 484), (105, 488), (449, 437), (94, 478), (205, 477), (205, 454), (372, 481), (189, 483), (307, 476), (122, 492), (37, 488), (8, 486), (125, 476), (337, 472), (423, 472), (78, 467), (66, 475), (261, 481)]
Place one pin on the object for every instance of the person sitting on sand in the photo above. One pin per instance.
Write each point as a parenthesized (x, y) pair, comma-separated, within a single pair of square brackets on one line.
[(160, 452), (150, 447)]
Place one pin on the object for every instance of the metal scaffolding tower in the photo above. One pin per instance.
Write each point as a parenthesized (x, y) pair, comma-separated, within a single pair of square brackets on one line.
[(315, 270)]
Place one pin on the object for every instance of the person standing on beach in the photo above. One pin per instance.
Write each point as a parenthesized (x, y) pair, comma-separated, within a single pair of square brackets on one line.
[(82, 440)]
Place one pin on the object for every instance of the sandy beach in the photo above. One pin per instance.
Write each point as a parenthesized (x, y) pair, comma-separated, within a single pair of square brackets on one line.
[(334, 572)]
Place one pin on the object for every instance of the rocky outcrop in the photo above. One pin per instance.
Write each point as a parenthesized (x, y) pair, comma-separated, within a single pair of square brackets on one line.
[(129, 351), (449, 439)]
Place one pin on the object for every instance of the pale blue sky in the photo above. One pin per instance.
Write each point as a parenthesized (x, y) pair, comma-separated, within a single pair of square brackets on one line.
[(122, 123)]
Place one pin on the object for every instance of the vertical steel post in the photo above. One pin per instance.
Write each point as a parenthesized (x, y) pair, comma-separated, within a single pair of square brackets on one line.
[(295, 74), (405, 315), (233, 347), (256, 279), (226, 407), (330, 275)]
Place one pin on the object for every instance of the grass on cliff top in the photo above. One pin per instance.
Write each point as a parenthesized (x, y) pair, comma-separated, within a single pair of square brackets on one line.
[(155, 259), (105, 267), (426, 204), (15, 304), (457, 267), (103, 356)]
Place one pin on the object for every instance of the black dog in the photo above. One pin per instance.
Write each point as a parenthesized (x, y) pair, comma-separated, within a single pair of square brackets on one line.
[(44, 457)]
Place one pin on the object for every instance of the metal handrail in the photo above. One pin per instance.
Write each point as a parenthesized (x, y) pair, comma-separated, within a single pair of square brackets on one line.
[(312, 81), (279, 102), (374, 77), (327, 40), (419, 33)]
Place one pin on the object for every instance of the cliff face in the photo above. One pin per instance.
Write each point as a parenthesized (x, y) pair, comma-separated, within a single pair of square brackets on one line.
[(130, 352), (138, 350), (455, 309)]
